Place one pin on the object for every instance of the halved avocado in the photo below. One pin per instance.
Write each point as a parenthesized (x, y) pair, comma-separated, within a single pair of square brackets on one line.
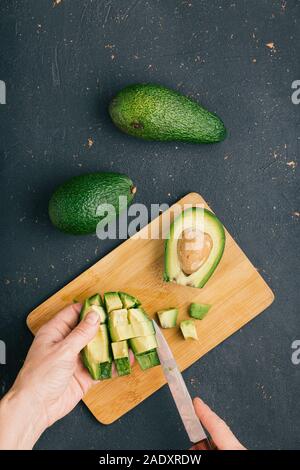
[(194, 247)]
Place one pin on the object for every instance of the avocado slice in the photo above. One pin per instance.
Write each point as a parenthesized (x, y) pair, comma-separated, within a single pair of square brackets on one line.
[(129, 301), (120, 331), (154, 112), (112, 301), (96, 300), (96, 355), (140, 322), (145, 352), (143, 344), (144, 328), (118, 316), (121, 357), (194, 247), (118, 324), (97, 305), (199, 311), (188, 329), (168, 317), (137, 315)]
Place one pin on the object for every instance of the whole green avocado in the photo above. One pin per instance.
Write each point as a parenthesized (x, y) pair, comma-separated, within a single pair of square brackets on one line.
[(73, 206), (154, 112)]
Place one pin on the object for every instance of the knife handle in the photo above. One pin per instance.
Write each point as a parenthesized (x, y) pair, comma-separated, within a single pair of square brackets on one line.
[(205, 444)]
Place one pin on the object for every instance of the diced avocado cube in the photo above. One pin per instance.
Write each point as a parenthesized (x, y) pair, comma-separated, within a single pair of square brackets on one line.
[(188, 329), (112, 301), (143, 344), (168, 317), (120, 331), (148, 359), (137, 315), (129, 301), (96, 300), (123, 366), (144, 328), (106, 370), (118, 316), (199, 311), (121, 357), (119, 349)]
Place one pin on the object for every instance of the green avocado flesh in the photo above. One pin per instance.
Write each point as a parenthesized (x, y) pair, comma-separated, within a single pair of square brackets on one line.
[(144, 344), (96, 355), (74, 206), (129, 301), (188, 329), (188, 261), (118, 316), (154, 112), (168, 317), (199, 311), (148, 359), (121, 357), (126, 324), (120, 332), (96, 305), (112, 301), (124, 320)]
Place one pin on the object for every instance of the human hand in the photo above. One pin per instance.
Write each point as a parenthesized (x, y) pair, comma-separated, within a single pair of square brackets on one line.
[(51, 382), (220, 433)]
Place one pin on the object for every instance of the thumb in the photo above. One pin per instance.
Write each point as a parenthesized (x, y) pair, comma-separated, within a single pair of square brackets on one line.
[(84, 332)]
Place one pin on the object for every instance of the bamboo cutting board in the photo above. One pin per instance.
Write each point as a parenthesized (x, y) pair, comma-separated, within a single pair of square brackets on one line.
[(236, 291)]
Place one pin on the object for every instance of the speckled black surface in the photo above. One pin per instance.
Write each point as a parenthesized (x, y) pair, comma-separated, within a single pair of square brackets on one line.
[(61, 65)]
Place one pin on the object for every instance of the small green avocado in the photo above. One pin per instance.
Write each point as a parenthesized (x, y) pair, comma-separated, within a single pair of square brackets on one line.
[(73, 206), (154, 112), (194, 247)]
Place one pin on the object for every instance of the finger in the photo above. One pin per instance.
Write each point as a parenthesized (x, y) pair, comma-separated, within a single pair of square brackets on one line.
[(83, 377), (131, 357), (84, 332), (61, 324), (222, 436)]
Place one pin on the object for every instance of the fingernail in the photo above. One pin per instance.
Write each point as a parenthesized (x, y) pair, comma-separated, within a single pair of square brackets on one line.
[(197, 399), (92, 318)]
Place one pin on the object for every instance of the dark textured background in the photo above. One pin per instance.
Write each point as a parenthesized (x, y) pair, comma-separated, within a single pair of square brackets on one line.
[(62, 64)]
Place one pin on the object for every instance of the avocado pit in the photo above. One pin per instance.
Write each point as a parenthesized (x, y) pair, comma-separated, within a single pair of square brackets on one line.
[(193, 249)]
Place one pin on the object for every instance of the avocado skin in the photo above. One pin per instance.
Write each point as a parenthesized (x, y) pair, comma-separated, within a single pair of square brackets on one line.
[(72, 207), (154, 112)]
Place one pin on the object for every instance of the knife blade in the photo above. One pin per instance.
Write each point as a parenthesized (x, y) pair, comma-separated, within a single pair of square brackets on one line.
[(179, 391)]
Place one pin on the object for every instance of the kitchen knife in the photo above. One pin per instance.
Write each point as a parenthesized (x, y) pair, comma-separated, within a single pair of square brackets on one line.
[(180, 393)]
